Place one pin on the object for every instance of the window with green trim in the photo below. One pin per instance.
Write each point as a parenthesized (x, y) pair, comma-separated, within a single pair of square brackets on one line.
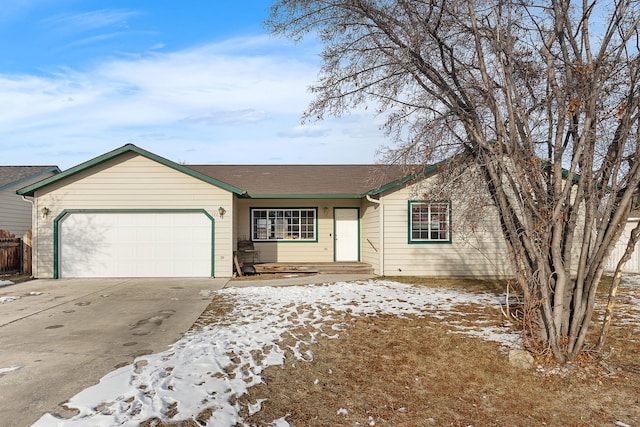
[(283, 224), (429, 222)]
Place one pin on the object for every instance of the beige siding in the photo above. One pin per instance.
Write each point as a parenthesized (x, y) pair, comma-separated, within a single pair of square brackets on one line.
[(294, 251), (131, 181), (15, 212), (633, 265), (470, 254), (371, 247)]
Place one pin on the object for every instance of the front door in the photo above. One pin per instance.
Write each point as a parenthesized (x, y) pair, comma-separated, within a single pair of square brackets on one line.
[(346, 234)]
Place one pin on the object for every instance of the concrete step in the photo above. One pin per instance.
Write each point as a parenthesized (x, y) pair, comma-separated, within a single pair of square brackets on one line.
[(327, 268)]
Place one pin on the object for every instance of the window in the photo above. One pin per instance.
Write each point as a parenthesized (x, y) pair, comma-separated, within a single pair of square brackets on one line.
[(283, 224), (429, 222)]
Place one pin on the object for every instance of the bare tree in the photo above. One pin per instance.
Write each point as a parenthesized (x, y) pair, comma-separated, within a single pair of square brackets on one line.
[(541, 98)]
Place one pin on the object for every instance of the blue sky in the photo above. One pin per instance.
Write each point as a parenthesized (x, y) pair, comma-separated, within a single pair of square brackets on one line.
[(198, 81)]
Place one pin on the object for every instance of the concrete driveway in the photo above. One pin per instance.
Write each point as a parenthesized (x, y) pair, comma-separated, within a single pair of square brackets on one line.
[(62, 336)]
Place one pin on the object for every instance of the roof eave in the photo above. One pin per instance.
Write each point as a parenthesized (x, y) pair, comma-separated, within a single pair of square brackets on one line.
[(53, 169), (304, 196), (398, 182)]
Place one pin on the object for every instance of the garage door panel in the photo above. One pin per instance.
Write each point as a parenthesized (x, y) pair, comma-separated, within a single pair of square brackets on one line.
[(135, 245)]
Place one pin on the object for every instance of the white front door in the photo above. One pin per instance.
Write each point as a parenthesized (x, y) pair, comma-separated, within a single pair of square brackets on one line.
[(346, 234)]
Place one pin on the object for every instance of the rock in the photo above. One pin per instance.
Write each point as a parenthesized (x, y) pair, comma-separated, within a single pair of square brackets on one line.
[(521, 359)]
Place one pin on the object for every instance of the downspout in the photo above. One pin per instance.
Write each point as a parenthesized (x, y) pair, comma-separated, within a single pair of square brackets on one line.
[(34, 226), (381, 252)]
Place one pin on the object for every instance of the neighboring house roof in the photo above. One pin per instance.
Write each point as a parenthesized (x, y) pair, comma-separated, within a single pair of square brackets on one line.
[(276, 181), (30, 190), (11, 176)]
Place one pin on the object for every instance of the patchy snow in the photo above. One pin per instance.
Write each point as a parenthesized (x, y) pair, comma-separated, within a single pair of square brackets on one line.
[(8, 298), (6, 283), (9, 369), (631, 283), (627, 310), (212, 367)]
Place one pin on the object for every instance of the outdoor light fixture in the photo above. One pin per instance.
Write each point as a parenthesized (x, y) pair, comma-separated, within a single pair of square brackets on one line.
[(221, 211), (45, 211), (326, 210)]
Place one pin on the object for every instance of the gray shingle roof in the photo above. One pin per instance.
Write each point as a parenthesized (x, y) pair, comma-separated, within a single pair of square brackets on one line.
[(271, 181), (290, 180), (15, 174)]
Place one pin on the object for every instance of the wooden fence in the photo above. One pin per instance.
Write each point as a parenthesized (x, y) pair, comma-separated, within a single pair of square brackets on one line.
[(15, 253)]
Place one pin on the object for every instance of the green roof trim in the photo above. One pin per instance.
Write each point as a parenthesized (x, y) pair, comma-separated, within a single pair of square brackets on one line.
[(423, 172), (30, 190), (305, 196), (433, 168), (548, 166), (53, 169)]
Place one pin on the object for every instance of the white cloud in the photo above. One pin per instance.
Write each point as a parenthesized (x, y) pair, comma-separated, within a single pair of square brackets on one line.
[(248, 115), (91, 20), (302, 131), (245, 92), (174, 86)]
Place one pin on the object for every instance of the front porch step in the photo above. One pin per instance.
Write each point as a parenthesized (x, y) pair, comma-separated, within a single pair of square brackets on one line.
[(326, 267)]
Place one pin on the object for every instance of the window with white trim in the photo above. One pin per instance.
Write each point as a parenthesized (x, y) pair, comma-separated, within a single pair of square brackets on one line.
[(283, 224), (429, 222)]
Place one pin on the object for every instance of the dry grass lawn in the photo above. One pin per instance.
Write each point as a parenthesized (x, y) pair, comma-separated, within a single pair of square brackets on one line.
[(390, 371)]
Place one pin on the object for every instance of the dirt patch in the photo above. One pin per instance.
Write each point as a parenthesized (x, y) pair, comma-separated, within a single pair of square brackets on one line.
[(16, 278)]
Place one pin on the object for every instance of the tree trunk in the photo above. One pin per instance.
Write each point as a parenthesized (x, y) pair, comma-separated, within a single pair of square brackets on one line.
[(542, 100)]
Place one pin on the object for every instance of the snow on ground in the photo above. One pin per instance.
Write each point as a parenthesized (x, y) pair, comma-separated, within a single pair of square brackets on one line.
[(628, 302), (210, 368), (8, 298), (9, 369)]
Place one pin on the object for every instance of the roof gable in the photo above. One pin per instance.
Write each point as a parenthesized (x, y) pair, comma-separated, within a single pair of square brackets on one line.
[(30, 190), (11, 176)]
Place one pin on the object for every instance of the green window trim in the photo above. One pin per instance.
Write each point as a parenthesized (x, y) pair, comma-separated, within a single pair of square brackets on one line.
[(286, 225), (429, 222), (64, 213)]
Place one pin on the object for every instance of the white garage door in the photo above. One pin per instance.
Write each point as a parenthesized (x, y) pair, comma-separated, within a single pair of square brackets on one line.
[(135, 245)]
